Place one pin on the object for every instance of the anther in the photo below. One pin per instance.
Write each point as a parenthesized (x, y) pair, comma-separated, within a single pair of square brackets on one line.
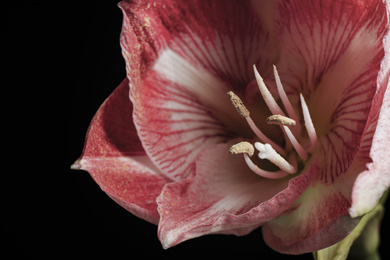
[(242, 147), (280, 120), (241, 109)]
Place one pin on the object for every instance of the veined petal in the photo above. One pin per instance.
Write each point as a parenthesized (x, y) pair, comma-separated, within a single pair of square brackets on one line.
[(223, 196), (316, 36), (372, 183), (318, 219), (331, 52), (114, 157), (173, 124), (225, 47), (181, 62), (322, 215)]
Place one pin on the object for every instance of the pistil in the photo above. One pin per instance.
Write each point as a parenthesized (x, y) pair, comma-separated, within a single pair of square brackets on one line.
[(267, 152)]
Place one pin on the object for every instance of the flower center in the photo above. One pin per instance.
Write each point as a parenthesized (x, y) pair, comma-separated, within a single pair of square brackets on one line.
[(267, 148)]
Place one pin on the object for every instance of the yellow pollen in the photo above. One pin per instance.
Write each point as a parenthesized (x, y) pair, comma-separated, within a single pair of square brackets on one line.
[(280, 120)]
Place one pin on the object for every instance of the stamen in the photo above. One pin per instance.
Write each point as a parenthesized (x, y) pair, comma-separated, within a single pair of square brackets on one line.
[(309, 124), (270, 150), (286, 102), (243, 111), (280, 120), (267, 152), (301, 152), (267, 96)]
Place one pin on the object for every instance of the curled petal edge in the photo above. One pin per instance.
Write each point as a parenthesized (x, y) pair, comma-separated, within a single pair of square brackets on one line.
[(114, 157)]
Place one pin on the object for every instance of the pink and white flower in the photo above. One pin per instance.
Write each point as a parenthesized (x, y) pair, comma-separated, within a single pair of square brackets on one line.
[(163, 154)]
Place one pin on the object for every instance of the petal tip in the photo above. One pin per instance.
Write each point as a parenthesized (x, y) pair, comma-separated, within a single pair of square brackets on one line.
[(353, 213), (76, 165), (168, 239)]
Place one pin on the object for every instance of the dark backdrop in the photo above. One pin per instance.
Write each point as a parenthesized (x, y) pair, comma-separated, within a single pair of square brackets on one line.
[(50, 210)]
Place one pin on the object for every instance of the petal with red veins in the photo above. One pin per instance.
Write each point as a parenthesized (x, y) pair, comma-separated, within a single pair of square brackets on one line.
[(181, 62), (224, 196), (114, 157), (318, 219), (315, 36), (321, 216), (325, 225), (174, 125), (372, 183), (331, 52), (225, 47)]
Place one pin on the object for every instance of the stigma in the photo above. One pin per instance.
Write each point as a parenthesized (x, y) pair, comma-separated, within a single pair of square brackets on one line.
[(268, 149)]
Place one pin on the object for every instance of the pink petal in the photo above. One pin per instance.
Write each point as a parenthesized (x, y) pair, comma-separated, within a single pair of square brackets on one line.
[(375, 147), (181, 62), (321, 37), (321, 228), (318, 219), (226, 47), (331, 52), (174, 125), (322, 215), (223, 197), (372, 183), (344, 105), (114, 157)]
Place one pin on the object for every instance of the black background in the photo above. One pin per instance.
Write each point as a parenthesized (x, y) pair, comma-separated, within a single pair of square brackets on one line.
[(66, 57)]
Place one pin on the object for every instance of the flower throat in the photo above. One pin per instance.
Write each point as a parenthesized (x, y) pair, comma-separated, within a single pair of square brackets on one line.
[(267, 149)]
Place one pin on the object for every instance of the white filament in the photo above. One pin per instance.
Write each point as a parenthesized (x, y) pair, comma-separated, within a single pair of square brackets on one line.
[(311, 131), (282, 94), (267, 96)]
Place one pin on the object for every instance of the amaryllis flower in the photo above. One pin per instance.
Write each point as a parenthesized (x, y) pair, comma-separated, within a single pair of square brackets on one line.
[(297, 91)]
